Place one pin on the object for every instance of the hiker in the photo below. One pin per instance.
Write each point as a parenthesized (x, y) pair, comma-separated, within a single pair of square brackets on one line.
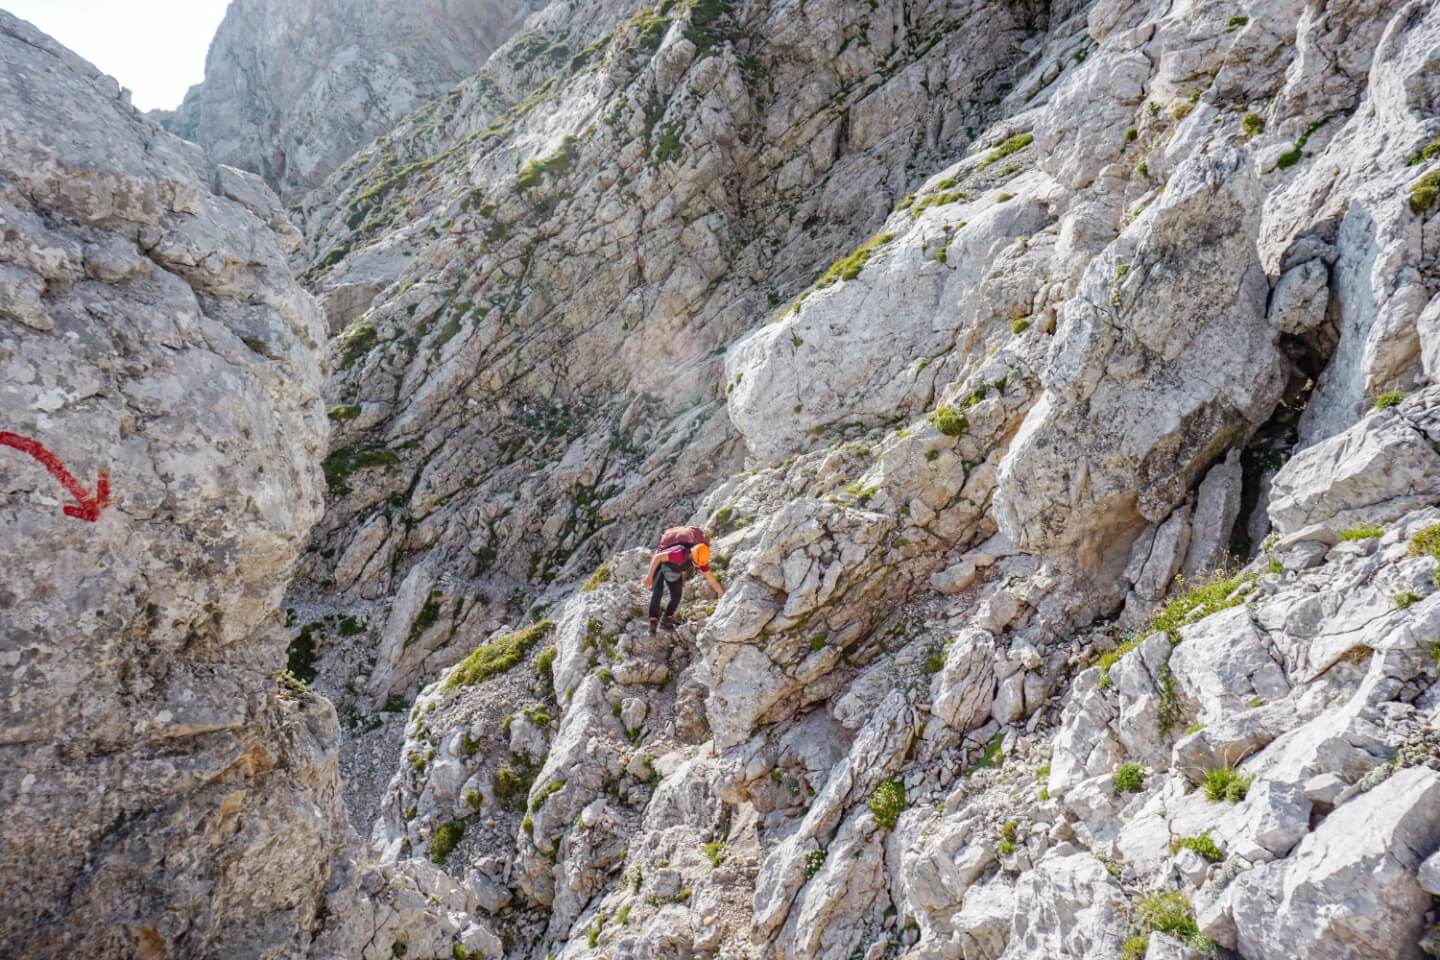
[(682, 550)]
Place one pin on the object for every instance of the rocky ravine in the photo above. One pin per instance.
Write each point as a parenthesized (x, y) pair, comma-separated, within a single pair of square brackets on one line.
[(1131, 288)]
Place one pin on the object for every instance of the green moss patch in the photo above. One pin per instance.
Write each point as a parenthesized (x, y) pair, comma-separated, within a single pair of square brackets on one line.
[(499, 655)]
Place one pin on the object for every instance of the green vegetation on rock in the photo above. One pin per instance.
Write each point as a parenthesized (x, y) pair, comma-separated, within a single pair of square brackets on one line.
[(887, 803), (497, 656), (1128, 778), (447, 835)]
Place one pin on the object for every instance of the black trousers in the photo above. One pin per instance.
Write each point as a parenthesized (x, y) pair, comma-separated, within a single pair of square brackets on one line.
[(677, 587)]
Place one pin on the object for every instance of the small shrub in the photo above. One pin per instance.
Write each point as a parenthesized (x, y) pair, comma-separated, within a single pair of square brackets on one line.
[(715, 853), (497, 656), (1181, 110), (1228, 784), (1131, 135), (528, 825), (1128, 778), (1236, 22), (1201, 844), (814, 860), (1388, 399), (601, 575), (1112, 867), (1020, 326), (1135, 946), (1252, 124), (1004, 197), (1424, 192), (1364, 531), (991, 756), (545, 665), (447, 835), (934, 661), (1405, 600), (887, 802), (949, 421), (473, 799), (341, 464), (1009, 834)]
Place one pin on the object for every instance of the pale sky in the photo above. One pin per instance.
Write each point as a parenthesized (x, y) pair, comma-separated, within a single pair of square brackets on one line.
[(154, 47)]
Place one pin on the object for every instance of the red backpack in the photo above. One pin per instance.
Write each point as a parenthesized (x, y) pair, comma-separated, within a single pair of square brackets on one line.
[(683, 537)]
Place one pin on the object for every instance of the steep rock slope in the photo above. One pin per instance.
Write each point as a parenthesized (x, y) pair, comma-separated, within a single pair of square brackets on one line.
[(534, 281), (293, 89), (165, 796), (955, 702)]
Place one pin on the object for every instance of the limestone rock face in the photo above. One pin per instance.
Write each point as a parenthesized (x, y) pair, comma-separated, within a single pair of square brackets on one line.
[(164, 795), (293, 90), (1153, 356)]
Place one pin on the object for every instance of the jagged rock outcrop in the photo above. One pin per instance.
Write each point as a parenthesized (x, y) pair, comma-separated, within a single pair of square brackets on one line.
[(294, 89), (165, 796)]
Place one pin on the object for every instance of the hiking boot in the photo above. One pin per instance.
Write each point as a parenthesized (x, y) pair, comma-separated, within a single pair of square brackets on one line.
[(668, 623), (652, 628)]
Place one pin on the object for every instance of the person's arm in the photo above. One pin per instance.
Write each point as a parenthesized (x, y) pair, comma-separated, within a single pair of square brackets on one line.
[(655, 562), (711, 579)]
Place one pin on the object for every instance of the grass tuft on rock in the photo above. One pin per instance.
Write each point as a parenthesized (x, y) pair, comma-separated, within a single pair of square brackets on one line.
[(949, 421), (601, 575), (1169, 911), (1014, 145), (1202, 844), (1228, 784), (1388, 399), (1212, 594), (447, 835), (494, 658), (849, 266), (1128, 778), (1425, 542), (1363, 531)]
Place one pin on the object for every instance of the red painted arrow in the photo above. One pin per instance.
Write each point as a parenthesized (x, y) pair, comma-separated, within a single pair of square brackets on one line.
[(85, 507)]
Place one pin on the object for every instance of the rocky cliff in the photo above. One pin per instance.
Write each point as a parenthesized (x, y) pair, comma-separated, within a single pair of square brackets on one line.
[(1058, 381), (165, 794), (293, 89)]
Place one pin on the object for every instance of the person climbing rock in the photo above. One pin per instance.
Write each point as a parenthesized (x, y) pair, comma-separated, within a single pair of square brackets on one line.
[(683, 550)]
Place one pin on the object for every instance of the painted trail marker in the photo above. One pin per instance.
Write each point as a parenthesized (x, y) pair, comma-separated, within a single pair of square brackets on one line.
[(85, 507)]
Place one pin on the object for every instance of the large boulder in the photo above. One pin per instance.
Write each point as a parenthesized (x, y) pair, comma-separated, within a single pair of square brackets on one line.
[(1161, 360), (1351, 888), (1378, 470)]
